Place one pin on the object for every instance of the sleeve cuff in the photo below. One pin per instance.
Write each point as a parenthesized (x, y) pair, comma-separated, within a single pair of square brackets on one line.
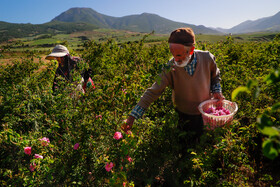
[(216, 88), (137, 112)]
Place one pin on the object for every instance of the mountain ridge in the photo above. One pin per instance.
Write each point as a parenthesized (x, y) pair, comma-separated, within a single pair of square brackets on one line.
[(82, 19), (145, 22), (270, 23)]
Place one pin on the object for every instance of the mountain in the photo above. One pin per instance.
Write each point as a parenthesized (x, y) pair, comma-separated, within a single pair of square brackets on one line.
[(83, 19), (85, 15), (271, 23), (138, 23)]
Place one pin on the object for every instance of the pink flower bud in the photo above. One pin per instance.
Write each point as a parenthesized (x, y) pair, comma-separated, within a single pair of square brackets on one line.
[(109, 166), (32, 167), (27, 150), (129, 159), (124, 91), (38, 156), (44, 141), (118, 135), (98, 117), (76, 146)]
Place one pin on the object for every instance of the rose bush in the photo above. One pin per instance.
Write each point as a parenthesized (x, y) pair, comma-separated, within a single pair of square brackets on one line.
[(74, 136)]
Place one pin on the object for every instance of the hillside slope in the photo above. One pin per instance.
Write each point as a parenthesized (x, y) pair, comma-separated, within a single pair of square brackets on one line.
[(138, 23), (271, 23), (14, 30)]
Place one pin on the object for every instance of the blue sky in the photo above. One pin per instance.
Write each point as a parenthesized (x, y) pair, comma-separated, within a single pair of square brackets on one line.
[(210, 13)]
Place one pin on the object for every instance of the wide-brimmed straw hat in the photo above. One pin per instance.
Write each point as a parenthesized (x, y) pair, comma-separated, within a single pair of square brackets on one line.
[(58, 51)]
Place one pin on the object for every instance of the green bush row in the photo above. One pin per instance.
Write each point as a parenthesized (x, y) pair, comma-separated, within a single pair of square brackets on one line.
[(228, 156)]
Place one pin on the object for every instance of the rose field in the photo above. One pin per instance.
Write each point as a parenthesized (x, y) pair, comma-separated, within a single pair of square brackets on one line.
[(75, 139)]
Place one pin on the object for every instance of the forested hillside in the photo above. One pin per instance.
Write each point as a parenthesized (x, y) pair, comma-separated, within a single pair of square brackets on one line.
[(12, 30)]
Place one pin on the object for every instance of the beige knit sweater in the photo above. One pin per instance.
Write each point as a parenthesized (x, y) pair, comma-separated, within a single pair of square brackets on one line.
[(187, 91)]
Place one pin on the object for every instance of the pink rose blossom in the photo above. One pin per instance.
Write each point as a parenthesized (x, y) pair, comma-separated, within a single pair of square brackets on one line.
[(129, 159), (76, 146), (38, 156), (109, 166), (32, 167), (219, 111), (98, 117), (45, 141), (118, 135), (27, 150)]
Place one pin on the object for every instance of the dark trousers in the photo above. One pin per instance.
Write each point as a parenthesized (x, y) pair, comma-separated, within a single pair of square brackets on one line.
[(191, 126)]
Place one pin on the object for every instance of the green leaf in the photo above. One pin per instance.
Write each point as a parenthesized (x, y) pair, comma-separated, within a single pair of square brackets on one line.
[(268, 150), (270, 131), (273, 77), (239, 90), (276, 106), (251, 84), (242, 128), (264, 120), (182, 134)]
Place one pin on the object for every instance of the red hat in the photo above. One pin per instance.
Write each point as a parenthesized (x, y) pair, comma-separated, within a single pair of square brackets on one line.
[(184, 36)]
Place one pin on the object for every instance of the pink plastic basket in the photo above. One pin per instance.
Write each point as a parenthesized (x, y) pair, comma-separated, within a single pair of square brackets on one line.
[(211, 121)]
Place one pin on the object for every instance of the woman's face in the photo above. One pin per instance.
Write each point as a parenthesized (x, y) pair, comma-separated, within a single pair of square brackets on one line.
[(60, 60)]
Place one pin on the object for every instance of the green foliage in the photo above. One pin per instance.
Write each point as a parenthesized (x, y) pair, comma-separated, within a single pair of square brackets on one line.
[(228, 156), (268, 121)]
